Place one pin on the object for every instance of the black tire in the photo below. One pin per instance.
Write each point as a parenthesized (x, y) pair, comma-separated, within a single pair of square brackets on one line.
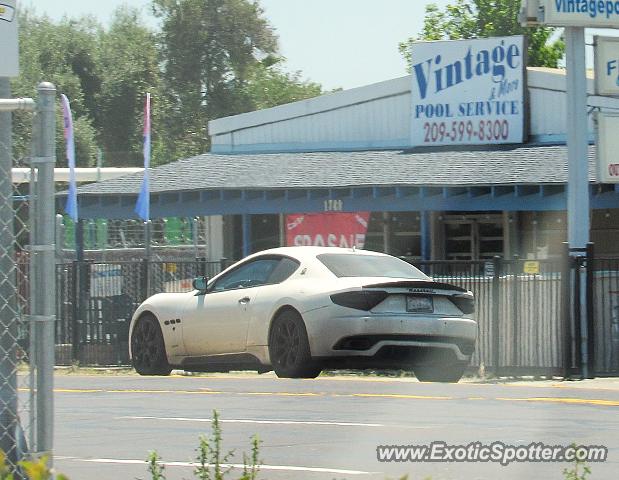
[(289, 347), (448, 373), (148, 353)]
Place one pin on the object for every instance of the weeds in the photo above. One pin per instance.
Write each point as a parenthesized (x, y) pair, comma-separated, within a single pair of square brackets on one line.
[(579, 469), (155, 468), (211, 461), (33, 469)]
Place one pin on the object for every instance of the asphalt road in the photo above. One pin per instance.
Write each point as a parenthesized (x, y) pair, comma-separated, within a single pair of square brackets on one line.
[(321, 429)]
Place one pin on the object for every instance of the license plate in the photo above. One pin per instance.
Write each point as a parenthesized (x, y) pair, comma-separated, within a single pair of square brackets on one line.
[(417, 304)]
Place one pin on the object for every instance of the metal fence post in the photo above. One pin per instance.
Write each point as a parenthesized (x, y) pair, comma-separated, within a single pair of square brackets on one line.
[(44, 286), (148, 257), (496, 278), (515, 310), (201, 266), (576, 262), (145, 279), (566, 311), (76, 280), (589, 259)]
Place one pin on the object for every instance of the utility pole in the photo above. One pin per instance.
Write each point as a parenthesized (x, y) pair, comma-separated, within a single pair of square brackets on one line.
[(43, 285), (578, 171)]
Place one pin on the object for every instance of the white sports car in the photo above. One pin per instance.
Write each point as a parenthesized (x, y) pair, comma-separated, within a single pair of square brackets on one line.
[(297, 310)]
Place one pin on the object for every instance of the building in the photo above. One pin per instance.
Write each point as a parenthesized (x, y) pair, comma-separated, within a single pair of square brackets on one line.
[(350, 151)]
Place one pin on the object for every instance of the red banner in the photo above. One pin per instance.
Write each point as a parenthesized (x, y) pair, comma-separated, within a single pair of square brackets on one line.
[(331, 229)]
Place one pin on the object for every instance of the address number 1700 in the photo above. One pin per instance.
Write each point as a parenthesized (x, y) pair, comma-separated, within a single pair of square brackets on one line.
[(458, 131)]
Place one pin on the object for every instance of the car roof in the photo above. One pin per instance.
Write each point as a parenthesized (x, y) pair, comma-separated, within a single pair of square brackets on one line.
[(302, 253)]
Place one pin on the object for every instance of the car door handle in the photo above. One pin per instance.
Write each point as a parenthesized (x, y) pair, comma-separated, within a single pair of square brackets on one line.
[(244, 300)]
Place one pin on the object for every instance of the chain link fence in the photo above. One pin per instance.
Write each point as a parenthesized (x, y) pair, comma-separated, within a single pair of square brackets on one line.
[(16, 386)]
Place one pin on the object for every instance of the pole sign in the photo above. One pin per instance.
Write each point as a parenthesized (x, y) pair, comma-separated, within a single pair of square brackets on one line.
[(608, 148), (579, 13), (9, 58), (468, 92), (606, 54)]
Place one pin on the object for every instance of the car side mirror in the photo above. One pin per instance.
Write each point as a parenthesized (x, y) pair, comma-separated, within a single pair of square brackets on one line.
[(200, 283)]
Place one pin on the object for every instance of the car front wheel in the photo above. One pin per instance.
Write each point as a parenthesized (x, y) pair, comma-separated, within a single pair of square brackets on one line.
[(289, 347), (148, 349)]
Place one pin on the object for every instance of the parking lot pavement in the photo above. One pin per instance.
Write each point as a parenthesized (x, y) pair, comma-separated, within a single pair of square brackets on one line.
[(324, 428)]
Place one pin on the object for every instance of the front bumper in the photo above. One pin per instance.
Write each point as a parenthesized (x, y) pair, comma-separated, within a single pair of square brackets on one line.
[(338, 332)]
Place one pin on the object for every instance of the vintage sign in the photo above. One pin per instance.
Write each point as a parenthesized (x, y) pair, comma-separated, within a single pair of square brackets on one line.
[(9, 64), (608, 148), (468, 92), (606, 54), (327, 229), (579, 13)]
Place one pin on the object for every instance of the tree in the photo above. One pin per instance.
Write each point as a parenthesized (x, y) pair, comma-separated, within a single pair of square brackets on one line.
[(211, 58), (268, 85), (64, 54), (129, 68), (486, 18), (209, 48)]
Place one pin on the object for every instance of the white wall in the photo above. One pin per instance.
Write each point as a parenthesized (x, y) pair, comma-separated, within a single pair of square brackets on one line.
[(374, 117)]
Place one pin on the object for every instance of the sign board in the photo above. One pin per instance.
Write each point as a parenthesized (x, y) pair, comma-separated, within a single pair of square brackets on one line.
[(327, 229), (579, 13), (608, 148), (531, 267), (489, 270), (106, 280), (606, 53), (9, 55), (468, 92)]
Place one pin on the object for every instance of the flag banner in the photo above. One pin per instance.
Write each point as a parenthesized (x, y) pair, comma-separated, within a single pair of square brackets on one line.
[(142, 207), (71, 205), (330, 229)]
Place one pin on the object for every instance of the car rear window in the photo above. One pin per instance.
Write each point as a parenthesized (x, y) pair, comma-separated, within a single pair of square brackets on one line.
[(349, 265)]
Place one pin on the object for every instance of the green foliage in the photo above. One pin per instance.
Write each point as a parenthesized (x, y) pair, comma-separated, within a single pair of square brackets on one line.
[(251, 465), (210, 58), (486, 18), (65, 54), (268, 86), (579, 469), (34, 469), (211, 460), (208, 47), (155, 468), (129, 69)]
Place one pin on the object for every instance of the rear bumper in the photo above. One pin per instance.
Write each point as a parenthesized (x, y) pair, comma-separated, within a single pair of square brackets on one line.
[(334, 333)]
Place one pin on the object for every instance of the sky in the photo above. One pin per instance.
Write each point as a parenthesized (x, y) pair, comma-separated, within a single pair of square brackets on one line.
[(337, 43)]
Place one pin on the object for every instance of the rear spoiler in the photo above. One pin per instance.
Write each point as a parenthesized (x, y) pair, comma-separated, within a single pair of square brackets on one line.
[(418, 284)]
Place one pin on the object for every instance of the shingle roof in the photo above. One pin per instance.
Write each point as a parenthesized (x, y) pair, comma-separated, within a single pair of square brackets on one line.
[(521, 165)]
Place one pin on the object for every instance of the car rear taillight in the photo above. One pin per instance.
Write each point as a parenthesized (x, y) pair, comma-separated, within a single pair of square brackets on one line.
[(360, 299), (466, 304)]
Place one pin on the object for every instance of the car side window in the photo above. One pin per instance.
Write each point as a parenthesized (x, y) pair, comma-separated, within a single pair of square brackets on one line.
[(285, 268), (252, 274)]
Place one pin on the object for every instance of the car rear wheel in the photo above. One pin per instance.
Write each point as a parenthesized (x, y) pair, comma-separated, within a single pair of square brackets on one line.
[(289, 347), (448, 373), (148, 349)]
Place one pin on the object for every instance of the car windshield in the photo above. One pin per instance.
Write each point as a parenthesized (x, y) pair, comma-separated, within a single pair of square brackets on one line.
[(347, 265)]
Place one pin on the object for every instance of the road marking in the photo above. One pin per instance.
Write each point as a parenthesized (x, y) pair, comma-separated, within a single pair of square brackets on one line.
[(289, 468), (569, 400), (397, 395), (262, 422), (565, 400)]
